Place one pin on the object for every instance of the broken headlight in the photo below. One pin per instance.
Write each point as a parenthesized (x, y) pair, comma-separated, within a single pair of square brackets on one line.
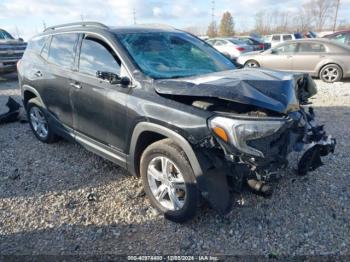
[(238, 131)]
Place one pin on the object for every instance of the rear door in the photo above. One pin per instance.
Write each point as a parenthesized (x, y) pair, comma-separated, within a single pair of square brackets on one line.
[(99, 107), (54, 76), (280, 58), (308, 55)]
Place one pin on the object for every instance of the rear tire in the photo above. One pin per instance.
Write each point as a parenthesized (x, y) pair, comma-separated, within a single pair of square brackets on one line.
[(251, 64), (331, 73), (173, 192), (39, 123)]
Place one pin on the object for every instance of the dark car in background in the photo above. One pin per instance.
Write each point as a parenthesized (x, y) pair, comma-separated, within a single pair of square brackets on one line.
[(171, 109), (257, 44), (11, 50), (341, 37)]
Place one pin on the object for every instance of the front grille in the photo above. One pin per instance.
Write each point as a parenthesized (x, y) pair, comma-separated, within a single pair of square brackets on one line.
[(5, 56)]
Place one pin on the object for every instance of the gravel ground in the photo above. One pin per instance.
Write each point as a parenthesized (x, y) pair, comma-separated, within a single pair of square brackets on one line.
[(44, 206)]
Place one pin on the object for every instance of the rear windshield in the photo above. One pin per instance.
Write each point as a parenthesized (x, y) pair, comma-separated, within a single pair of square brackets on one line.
[(173, 55)]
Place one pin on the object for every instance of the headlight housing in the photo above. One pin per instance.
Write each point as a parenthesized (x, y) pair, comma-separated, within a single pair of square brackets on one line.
[(238, 131)]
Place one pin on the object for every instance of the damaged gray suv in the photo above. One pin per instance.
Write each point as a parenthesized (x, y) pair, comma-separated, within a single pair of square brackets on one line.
[(171, 109)]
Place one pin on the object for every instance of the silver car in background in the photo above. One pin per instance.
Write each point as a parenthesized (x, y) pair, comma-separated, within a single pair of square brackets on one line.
[(328, 60), (230, 47)]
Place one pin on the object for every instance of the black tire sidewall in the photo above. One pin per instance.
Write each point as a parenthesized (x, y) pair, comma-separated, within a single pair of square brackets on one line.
[(50, 135), (340, 75), (174, 154)]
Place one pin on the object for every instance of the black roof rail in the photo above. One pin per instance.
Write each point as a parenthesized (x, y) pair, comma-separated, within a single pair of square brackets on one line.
[(93, 24)]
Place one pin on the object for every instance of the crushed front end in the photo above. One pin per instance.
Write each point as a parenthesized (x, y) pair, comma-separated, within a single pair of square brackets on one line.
[(256, 146)]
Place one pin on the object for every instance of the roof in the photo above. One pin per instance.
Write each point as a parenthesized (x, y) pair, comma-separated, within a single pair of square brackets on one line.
[(88, 25)]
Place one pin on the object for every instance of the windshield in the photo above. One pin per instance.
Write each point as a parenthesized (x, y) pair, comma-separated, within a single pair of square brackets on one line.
[(173, 55), (5, 35)]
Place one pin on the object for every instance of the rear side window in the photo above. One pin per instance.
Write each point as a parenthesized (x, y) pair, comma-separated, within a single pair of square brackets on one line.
[(62, 50), (276, 38), (287, 37), (96, 55), (311, 47), (36, 44)]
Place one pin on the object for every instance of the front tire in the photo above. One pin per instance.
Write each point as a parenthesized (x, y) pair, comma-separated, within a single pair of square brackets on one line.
[(331, 73), (39, 123), (169, 181)]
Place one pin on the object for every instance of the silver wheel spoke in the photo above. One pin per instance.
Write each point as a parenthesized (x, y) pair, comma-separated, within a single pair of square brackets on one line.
[(166, 182), (155, 173), (173, 199)]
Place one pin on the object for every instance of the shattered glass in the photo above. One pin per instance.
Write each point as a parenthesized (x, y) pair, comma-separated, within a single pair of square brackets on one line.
[(173, 55)]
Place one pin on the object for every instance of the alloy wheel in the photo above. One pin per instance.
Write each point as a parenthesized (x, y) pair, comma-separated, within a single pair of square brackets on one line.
[(166, 182), (38, 121), (330, 74), (252, 64)]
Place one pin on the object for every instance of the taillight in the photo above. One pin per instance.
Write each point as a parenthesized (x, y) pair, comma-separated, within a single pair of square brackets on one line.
[(261, 46), (240, 49)]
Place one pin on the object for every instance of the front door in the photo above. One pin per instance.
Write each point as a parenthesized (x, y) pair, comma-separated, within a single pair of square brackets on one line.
[(280, 58), (99, 106)]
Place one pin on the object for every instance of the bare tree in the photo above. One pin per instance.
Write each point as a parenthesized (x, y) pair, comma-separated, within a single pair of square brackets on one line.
[(322, 11)]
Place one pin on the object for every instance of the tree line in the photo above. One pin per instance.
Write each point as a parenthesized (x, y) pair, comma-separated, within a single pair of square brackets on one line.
[(313, 15)]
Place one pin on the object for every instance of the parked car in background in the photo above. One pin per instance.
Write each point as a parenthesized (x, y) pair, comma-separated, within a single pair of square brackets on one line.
[(328, 60), (230, 47), (276, 39), (341, 37), (11, 50), (257, 44)]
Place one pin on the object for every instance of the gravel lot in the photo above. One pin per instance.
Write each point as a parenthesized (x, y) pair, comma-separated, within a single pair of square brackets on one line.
[(44, 207)]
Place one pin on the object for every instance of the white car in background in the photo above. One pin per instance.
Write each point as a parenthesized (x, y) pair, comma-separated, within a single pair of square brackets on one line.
[(231, 47), (276, 39)]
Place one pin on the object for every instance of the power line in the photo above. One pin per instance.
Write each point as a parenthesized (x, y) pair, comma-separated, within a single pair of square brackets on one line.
[(134, 15)]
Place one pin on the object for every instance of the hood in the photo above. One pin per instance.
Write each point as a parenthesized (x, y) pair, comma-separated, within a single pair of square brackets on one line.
[(267, 89)]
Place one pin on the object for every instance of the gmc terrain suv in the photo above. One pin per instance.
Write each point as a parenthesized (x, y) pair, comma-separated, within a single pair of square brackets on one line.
[(11, 50), (168, 107)]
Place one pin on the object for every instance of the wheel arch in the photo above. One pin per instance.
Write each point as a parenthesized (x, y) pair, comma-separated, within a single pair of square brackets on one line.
[(28, 93), (146, 133)]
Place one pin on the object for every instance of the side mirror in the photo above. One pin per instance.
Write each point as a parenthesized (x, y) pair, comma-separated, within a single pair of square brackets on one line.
[(20, 39), (114, 79)]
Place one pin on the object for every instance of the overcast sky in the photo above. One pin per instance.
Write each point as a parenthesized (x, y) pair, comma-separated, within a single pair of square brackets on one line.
[(28, 15)]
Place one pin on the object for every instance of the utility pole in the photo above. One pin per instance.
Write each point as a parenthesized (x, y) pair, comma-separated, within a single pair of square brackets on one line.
[(134, 15), (44, 24), (336, 15), (212, 11)]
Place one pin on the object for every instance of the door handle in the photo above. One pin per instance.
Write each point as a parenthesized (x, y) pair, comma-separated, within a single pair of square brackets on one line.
[(75, 85), (38, 74)]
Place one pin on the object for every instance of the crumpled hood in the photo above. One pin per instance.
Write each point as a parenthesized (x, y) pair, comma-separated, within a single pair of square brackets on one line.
[(268, 89)]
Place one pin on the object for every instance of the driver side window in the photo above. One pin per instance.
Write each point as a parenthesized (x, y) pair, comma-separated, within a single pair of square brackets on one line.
[(96, 55)]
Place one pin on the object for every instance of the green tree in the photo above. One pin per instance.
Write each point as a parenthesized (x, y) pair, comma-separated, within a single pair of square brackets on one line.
[(227, 25), (212, 30)]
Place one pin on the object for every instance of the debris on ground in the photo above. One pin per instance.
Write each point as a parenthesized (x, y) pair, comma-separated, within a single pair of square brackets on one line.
[(13, 112)]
